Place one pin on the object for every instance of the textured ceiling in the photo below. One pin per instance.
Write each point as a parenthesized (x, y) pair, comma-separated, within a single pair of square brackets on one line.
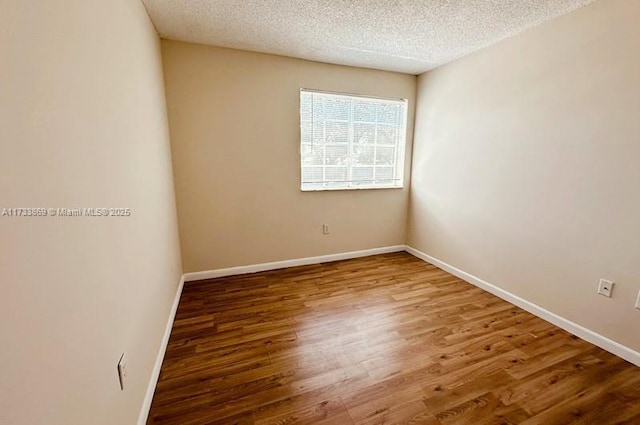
[(410, 36)]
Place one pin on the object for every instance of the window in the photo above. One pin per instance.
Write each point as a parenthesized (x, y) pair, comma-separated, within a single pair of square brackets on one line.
[(351, 142)]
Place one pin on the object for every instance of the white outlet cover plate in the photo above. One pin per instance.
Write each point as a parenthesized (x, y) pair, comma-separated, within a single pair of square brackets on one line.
[(605, 287), (638, 301)]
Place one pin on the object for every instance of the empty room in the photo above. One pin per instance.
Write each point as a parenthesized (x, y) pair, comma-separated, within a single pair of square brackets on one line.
[(320, 212)]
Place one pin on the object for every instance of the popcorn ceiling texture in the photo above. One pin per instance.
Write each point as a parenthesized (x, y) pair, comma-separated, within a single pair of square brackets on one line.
[(409, 36)]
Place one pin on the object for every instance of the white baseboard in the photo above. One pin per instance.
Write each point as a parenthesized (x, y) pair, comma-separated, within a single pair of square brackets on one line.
[(580, 331), (155, 373), (254, 268)]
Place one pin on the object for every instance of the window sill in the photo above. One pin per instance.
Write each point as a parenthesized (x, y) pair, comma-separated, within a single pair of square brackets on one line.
[(333, 189)]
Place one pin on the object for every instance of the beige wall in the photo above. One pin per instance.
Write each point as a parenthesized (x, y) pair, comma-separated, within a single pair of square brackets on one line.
[(82, 124), (526, 167), (234, 122)]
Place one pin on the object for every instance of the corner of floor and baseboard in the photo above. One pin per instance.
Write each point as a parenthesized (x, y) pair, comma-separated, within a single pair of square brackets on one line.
[(580, 331), (254, 268), (155, 373)]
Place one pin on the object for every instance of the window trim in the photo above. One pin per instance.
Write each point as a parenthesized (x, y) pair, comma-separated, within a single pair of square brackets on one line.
[(400, 147)]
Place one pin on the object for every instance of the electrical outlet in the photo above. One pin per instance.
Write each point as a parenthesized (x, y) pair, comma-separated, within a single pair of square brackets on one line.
[(325, 229), (605, 287), (122, 370), (638, 301)]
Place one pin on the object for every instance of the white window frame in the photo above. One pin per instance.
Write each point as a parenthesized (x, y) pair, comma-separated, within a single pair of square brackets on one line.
[(397, 180)]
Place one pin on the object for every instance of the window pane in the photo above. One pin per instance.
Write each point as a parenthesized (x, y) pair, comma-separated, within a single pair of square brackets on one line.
[(337, 108), (387, 135), (364, 133), (337, 132), (305, 132), (389, 114), (364, 110), (336, 174), (362, 174), (317, 132), (385, 155), (305, 107), (311, 155), (336, 155), (384, 174), (317, 107), (311, 174), (362, 155)]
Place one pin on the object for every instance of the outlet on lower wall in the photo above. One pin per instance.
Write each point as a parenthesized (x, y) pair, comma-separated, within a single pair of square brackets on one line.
[(605, 287), (638, 301), (325, 229)]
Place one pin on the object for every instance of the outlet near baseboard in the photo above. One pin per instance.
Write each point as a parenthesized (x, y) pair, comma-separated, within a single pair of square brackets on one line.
[(605, 287)]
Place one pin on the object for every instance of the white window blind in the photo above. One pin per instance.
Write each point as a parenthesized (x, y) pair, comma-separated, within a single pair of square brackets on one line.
[(351, 142)]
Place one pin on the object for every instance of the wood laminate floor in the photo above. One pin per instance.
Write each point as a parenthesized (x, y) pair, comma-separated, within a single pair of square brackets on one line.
[(387, 339)]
